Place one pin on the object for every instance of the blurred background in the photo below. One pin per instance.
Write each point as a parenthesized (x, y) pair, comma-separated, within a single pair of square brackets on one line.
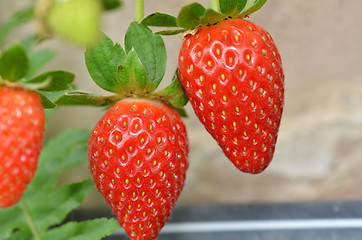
[(319, 151)]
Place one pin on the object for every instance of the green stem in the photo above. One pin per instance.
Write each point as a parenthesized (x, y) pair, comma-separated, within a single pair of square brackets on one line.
[(140, 6), (30, 221), (215, 5)]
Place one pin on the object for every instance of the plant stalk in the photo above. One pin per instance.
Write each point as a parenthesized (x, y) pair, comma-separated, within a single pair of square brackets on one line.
[(30, 221), (140, 6)]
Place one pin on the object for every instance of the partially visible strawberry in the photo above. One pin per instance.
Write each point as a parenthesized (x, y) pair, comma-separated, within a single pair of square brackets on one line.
[(21, 135), (233, 76), (138, 158)]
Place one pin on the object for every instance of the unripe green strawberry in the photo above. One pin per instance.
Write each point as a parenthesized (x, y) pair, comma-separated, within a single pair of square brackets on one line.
[(75, 20), (21, 135), (232, 73), (138, 158)]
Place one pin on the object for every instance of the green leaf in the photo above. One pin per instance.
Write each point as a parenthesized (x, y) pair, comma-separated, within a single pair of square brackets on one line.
[(66, 198), (17, 218), (85, 99), (38, 59), (159, 20), (48, 204), (132, 75), (88, 230), (66, 151), (252, 6), (232, 7), (174, 93), (20, 17), (151, 51), (22, 234), (45, 204), (29, 41), (52, 81), (111, 4), (103, 61), (14, 63), (190, 16)]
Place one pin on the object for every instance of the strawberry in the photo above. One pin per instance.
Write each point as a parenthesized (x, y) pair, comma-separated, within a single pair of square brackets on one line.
[(138, 150), (138, 159), (232, 74), (21, 133)]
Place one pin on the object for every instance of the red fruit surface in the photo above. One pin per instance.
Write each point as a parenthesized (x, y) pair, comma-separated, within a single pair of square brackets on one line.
[(233, 76), (138, 158), (21, 135)]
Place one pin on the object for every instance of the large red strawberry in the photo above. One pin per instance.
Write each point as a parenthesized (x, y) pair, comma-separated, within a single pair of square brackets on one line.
[(138, 151), (138, 158), (232, 73), (21, 134)]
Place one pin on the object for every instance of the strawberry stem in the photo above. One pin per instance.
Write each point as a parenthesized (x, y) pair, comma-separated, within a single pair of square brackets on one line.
[(29, 220), (140, 5)]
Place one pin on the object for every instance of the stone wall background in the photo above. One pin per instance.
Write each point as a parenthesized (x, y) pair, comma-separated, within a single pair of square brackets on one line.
[(319, 151)]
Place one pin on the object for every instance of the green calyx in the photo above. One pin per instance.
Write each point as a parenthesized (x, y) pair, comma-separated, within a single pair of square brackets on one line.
[(195, 15), (18, 65), (133, 71)]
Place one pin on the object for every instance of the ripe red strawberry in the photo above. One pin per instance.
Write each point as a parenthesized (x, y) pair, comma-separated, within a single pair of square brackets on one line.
[(233, 76), (138, 158), (21, 134)]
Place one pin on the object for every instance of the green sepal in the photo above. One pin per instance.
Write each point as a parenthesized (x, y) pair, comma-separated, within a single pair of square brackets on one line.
[(182, 112), (102, 62), (20, 17), (37, 85), (194, 15), (212, 17), (190, 16), (159, 20), (51, 81), (111, 4), (46, 102), (232, 7), (78, 98), (38, 59), (252, 6), (151, 51), (14, 63), (132, 76), (174, 93), (171, 32)]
